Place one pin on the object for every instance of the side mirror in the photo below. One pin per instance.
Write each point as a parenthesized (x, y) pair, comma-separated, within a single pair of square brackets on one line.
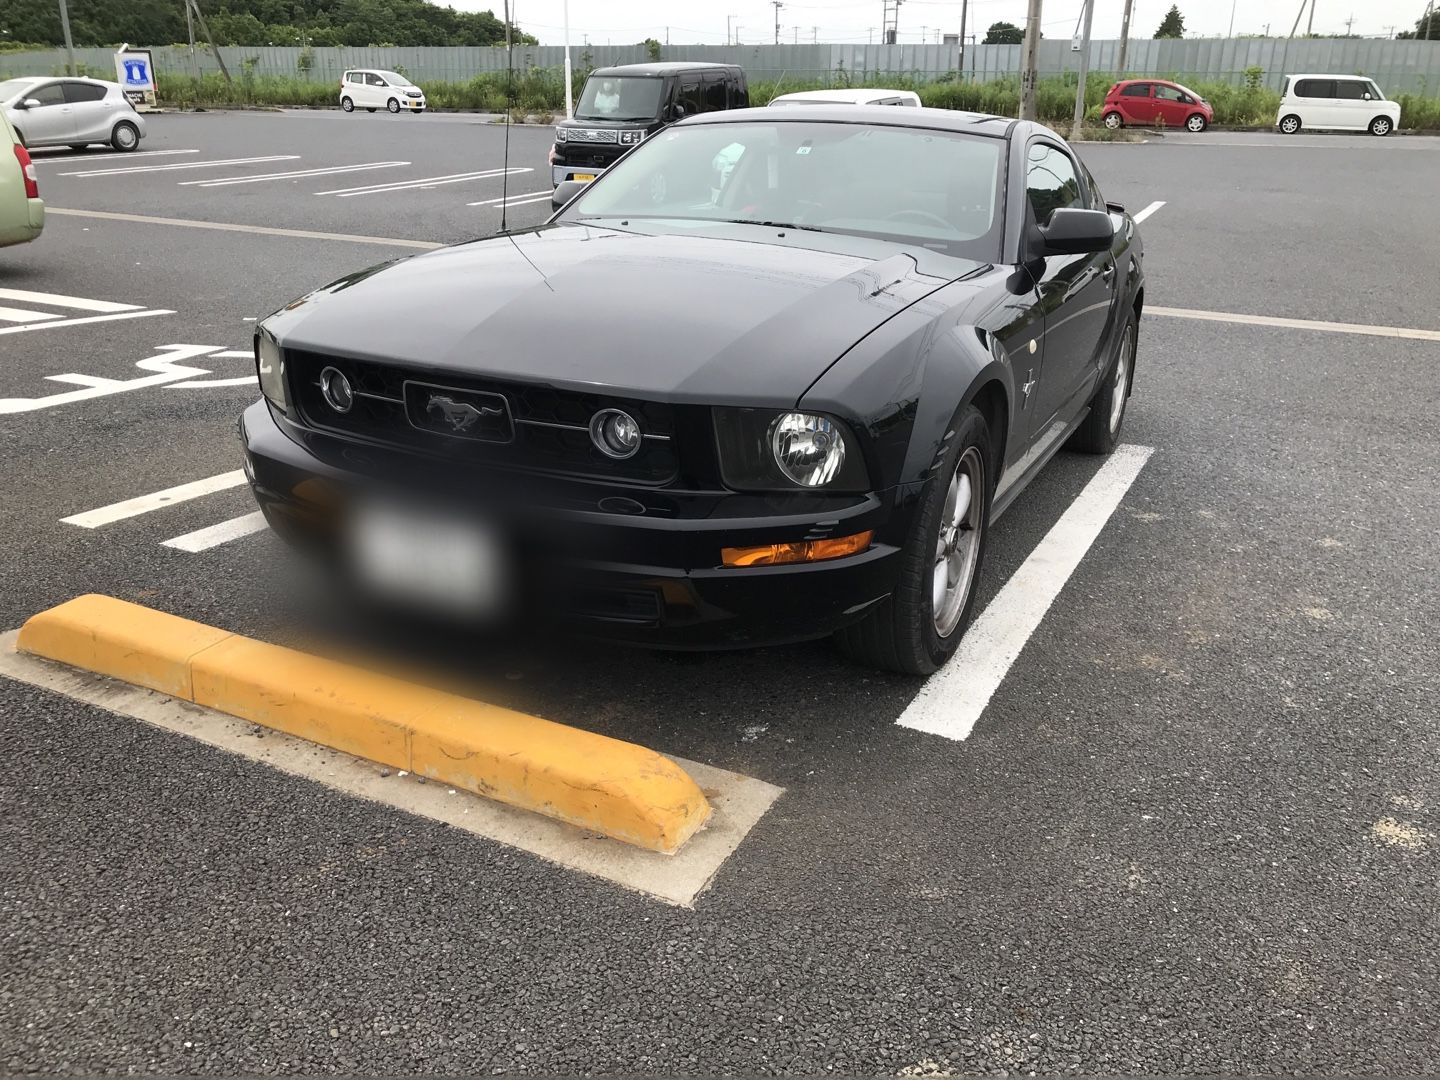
[(1367, 95), (1076, 232), (565, 191), (30, 103), (677, 112)]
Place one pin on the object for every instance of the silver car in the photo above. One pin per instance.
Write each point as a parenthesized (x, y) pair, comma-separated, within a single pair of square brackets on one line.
[(71, 112)]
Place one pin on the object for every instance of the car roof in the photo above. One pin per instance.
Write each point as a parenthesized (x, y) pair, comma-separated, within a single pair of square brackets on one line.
[(668, 67), (938, 119), (1330, 75), (857, 95)]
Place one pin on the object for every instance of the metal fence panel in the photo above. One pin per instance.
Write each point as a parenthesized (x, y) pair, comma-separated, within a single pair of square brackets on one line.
[(1398, 66)]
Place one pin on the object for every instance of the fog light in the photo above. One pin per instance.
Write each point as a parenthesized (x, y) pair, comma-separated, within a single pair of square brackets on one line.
[(801, 551), (615, 433), (335, 388)]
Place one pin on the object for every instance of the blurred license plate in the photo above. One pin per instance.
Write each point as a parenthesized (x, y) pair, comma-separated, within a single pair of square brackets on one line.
[(584, 176), (432, 560)]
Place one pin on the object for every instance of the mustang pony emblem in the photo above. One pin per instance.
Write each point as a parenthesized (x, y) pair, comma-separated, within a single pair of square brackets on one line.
[(460, 415)]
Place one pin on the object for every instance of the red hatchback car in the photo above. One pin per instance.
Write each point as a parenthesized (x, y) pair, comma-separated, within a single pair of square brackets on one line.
[(1155, 103)]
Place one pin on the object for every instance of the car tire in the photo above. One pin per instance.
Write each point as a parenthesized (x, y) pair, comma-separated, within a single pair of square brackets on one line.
[(393, 105), (1381, 125), (1196, 123), (903, 633), (1114, 121), (1099, 433), (125, 136), (346, 105), (1290, 125)]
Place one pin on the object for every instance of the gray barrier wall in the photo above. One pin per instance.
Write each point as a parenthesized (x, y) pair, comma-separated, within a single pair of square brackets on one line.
[(1399, 66)]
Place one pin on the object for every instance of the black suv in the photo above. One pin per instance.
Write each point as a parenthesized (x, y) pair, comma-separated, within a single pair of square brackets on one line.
[(620, 106)]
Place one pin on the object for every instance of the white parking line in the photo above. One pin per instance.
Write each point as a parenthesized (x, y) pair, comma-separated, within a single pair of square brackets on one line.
[(225, 181), (515, 200), (1291, 324), (20, 315), (183, 165), (80, 303), (952, 700), (1143, 214), (143, 504), (425, 182), (41, 159), (51, 324), (252, 230), (215, 535)]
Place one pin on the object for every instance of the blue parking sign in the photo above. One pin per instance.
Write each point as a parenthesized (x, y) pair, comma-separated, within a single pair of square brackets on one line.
[(137, 71)]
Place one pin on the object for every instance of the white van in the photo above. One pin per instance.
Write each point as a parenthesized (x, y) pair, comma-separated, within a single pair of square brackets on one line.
[(372, 89), (1335, 103), (850, 97)]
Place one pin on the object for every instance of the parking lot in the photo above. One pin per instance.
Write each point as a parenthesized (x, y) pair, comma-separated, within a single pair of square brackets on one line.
[(1181, 817)]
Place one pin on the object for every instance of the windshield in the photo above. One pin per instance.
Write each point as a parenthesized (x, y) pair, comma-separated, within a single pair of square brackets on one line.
[(394, 79), (13, 88), (933, 188), (610, 97)]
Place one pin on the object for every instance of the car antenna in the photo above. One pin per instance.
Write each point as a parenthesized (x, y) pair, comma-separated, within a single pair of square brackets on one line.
[(509, 108)]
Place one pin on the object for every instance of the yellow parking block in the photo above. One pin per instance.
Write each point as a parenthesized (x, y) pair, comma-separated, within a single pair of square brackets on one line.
[(130, 642), (601, 784)]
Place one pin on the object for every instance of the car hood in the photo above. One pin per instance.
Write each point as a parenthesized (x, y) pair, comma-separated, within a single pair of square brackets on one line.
[(662, 316)]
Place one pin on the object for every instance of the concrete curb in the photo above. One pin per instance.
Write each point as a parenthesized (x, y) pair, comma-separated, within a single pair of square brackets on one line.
[(610, 787)]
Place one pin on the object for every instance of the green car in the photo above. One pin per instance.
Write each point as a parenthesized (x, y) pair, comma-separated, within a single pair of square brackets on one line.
[(22, 214)]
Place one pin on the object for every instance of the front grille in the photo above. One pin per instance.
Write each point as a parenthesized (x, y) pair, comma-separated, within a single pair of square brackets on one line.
[(546, 429), (593, 135), (414, 93)]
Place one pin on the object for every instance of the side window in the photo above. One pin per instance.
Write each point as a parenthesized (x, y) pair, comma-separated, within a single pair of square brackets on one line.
[(1097, 200), (76, 92), (690, 97), (739, 95), (1136, 90), (1315, 88), (1351, 89), (1050, 182), (49, 94), (375, 80), (1169, 93), (714, 93)]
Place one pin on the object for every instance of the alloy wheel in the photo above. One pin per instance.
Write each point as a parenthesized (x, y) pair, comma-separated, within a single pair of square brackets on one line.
[(1112, 120), (1122, 381), (1196, 123), (957, 545)]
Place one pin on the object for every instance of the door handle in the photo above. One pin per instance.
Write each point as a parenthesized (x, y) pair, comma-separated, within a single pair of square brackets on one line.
[(1108, 272)]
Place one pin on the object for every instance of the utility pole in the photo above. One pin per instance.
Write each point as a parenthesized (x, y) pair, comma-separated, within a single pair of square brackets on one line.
[(69, 44), (1349, 23), (814, 35), (1124, 36), (190, 31), (1231, 32), (1296, 25), (964, 10), (797, 34), (778, 5), (727, 28), (1084, 70), (205, 29), (1029, 60), (569, 76), (1310, 22), (870, 35)]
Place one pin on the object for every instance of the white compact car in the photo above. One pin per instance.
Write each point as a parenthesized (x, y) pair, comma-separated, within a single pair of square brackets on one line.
[(71, 112), (369, 89), (849, 97), (1335, 103)]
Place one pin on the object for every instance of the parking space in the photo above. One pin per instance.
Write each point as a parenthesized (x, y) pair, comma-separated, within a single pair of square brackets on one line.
[(1173, 808)]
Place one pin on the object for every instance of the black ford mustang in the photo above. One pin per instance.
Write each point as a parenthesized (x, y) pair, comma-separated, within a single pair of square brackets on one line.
[(770, 378)]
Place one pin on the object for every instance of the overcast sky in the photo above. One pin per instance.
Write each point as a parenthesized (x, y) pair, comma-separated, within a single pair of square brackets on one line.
[(624, 22)]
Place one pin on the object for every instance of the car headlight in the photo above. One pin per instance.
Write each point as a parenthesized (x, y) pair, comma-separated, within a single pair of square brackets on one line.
[(560, 135), (270, 367), (630, 138), (766, 450)]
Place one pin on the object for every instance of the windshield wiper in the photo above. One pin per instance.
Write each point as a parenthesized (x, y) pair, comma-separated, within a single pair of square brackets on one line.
[(772, 224)]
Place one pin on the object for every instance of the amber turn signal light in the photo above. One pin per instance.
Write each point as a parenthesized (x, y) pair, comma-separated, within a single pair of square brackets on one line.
[(802, 551)]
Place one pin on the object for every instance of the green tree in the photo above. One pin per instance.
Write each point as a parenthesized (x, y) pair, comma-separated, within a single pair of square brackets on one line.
[(1004, 33), (652, 48), (1173, 25)]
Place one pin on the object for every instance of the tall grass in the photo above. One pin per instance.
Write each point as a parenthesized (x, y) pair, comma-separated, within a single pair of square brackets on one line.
[(542, 90)]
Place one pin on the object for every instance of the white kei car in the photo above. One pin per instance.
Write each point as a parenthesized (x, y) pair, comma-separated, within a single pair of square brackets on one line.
[(373, 88)]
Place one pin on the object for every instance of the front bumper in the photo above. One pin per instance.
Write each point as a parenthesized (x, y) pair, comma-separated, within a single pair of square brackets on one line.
[(560, 173), (648, 581)]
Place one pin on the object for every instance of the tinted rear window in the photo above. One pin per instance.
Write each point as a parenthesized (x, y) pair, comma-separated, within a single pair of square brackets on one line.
[(1315, 88), (1136, 90)]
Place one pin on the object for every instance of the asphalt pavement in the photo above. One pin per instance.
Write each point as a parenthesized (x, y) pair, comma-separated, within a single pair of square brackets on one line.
[(1193, 830)]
